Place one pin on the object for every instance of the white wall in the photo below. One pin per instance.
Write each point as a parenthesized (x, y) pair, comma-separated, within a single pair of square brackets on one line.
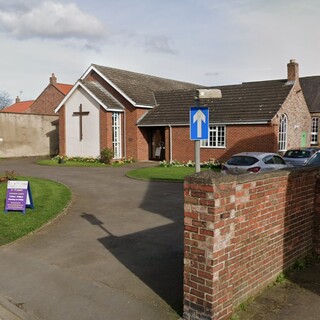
[(89, 146), (27, 135)]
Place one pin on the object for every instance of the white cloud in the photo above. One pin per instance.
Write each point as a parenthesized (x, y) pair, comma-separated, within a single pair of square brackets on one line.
[(51, 20)]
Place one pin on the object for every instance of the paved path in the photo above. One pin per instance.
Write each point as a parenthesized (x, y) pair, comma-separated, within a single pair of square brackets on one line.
[(117, 252)]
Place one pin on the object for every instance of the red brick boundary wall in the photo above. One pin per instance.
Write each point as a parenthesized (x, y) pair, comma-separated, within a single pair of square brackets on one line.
[(241, 232)]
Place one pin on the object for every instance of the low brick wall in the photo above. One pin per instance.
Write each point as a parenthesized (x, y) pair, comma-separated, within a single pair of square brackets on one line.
[(241, 232)]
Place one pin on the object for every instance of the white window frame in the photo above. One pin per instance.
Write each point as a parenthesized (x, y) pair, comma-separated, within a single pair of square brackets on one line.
[(314, 131), (283, 133), (116, 135), (217, 137)]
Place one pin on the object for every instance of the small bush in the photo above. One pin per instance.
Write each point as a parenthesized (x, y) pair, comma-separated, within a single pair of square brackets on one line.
[(106, 155), (9, 175)]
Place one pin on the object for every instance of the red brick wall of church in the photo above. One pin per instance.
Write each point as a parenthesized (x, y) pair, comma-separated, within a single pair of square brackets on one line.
[(62, 130), (239, 138), (105, 129)]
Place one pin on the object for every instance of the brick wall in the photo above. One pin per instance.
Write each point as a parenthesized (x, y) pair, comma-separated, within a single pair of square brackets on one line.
[(241, 232), (317, 219), (105, 129), (62, 130), (47, 101), (239, 138), (299, 119), (142, 137)]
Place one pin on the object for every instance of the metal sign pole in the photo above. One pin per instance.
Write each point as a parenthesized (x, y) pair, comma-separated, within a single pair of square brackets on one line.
[(197, 154)]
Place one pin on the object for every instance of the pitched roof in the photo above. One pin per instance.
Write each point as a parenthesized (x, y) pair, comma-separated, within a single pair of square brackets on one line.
[(246, 102), (19, 107), (139, 87), (102, 95), (63, 87), (310, 87)]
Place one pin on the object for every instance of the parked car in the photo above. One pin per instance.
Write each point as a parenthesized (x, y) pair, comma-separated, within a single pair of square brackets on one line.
[(253, 162), (314, 161), (299, 157)]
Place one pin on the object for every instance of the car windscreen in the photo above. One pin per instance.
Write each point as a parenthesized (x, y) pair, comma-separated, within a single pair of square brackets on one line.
[(314, 161), (242, 161), (297, 154)]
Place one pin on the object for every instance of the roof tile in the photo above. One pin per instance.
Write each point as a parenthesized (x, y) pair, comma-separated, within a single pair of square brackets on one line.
[(140, 87), (246, 102)]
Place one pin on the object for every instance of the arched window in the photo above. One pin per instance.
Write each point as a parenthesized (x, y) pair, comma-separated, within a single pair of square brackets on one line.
[(282, 139), (314, 130)]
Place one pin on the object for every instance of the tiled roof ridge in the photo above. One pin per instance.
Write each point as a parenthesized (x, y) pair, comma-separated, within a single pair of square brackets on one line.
[(142, 74)]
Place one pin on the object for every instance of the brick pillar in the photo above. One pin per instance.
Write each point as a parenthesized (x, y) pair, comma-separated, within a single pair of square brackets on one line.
[(62, 130), (207, 241), (103, 129)]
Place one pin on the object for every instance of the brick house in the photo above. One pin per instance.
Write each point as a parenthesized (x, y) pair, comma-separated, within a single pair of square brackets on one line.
[(46, 102), (50, 97), (147, 117)]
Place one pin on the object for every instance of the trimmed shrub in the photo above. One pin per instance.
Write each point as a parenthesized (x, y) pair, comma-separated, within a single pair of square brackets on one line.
[(106, 155)]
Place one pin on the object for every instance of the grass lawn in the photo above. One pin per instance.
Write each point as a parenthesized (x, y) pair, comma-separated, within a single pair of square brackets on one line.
[(49, 198), (163, 173)]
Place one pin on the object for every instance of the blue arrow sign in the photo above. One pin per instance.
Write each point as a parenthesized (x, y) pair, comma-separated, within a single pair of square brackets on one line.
[(199, 123)]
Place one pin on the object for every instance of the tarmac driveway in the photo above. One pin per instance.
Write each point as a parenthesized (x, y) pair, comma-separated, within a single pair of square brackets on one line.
[(117, 252)]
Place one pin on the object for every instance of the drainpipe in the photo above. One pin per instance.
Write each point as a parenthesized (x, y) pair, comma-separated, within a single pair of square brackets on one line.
[(170, 139)]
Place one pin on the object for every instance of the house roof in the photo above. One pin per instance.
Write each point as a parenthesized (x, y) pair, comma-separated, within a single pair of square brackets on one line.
[(139, 87), (101, 94), (63, 87), (310, 87), (19, 107), (250, 102)]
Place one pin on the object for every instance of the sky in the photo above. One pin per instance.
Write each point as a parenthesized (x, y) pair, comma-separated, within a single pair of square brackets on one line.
[(208, 42)]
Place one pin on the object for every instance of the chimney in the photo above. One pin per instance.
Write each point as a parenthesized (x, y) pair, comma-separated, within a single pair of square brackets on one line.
[(293, 70), (53, 79), (17, 99)]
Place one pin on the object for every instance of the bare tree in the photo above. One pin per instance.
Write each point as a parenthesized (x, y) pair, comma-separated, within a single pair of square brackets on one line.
[(5, 99)]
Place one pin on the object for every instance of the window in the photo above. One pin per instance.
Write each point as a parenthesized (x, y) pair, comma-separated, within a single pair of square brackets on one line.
[(242, 161), (116, 135), (217, 137), (268, 160), (314, 131), (283, 133), (278, 160)]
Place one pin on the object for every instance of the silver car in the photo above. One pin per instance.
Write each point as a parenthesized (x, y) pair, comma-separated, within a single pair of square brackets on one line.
[(314, 161), (299, 157), (253, 162)]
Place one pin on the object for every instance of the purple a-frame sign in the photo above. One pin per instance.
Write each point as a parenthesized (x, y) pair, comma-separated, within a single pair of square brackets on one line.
[(18, 196)]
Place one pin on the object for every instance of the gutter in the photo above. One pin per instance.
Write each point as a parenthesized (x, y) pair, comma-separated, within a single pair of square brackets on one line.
[(170, 141), (211, 123)]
